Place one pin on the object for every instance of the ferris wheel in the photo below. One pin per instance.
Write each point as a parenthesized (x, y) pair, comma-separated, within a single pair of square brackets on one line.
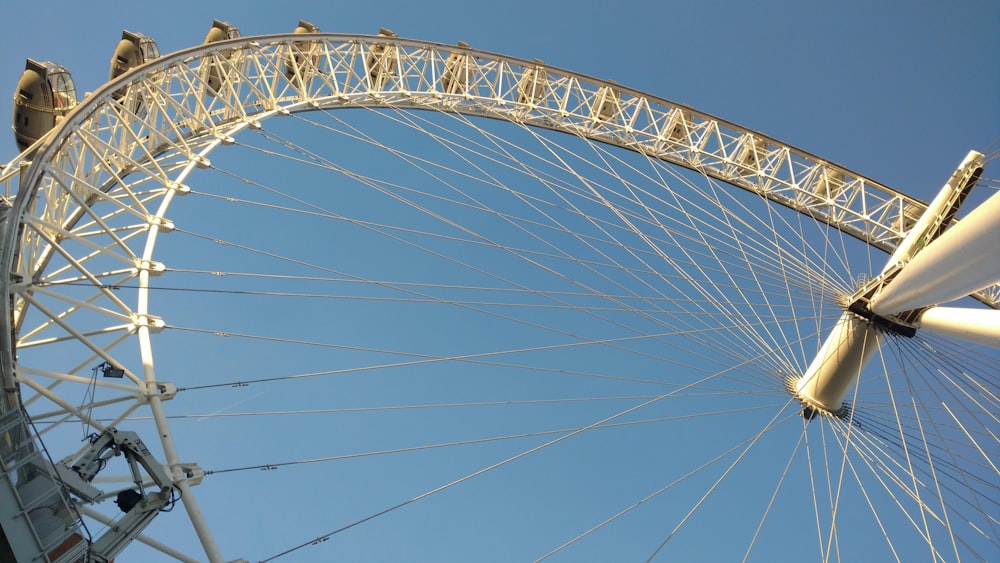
[(315, 296)]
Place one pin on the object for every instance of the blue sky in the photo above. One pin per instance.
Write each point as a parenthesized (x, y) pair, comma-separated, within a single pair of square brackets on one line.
[(897, 92)]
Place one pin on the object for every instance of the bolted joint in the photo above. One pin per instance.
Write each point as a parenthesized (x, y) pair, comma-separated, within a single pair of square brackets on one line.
[(191, 472), (154, 268), (152, 322), (161, 389), (162, 223), (178, 188)]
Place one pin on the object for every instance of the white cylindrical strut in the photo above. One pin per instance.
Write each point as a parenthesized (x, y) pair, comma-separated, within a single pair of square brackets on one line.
[(938, 265), (173, 464), (945, 204), (963, 260), (838, 364), (981, 326)]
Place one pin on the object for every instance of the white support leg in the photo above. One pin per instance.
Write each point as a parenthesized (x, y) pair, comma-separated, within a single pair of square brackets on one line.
[(935, 263), (981, 326), (839, 363), (944, 206), (144, 539), (965, 259)]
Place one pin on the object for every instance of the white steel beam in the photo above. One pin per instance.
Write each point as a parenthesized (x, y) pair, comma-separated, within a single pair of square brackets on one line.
[(981, 326), (963, 260), (838, 364), (941, 211)]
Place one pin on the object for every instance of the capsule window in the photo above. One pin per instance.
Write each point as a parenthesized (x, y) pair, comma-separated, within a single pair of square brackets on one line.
[(149, 50), (212, 73), (63, 90)]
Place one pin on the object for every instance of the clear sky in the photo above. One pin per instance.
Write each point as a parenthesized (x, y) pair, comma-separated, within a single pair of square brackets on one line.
[(896, 91)]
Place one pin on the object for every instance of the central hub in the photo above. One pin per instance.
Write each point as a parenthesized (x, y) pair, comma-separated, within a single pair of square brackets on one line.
[(903, 324)]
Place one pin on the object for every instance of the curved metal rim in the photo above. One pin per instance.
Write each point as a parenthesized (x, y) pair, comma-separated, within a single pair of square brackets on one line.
[(30, 178), (52, 144), (85, 109)]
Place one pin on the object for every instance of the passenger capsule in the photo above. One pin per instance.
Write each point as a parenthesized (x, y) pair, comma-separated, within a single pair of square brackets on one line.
[(45, 93), (135, 49), (606, 102), (220, 31), (457, 70), (211, 72), (381, 61), (531, 86), (303, 58)]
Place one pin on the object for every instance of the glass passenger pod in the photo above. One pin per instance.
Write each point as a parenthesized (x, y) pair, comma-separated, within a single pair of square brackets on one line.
[(381, 61), (212, 72), (221, 31), (751, 155), (45, 93), (606, 103), (531, 86), (457, 71), (303, 58), (134, 50)]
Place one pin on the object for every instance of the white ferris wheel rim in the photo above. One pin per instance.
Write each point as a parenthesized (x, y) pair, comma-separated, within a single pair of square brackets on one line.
[(746, 160)]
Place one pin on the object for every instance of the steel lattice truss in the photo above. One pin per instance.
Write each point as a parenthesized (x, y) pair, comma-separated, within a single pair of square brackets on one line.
[(180, 107), (130, 145)]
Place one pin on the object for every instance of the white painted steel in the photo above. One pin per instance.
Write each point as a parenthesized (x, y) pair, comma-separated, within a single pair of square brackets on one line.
[(637, 121), (85, 159), (838, 364), (981, 326), (850, 346), (943, 205), (963, 260), (143, 329)]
